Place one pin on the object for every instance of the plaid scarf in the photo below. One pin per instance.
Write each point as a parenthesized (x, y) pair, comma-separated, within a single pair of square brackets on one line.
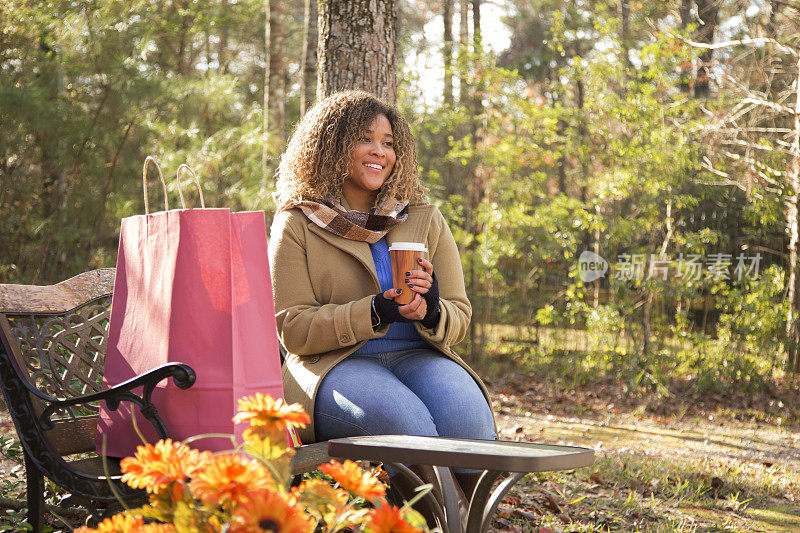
[(331, 215)]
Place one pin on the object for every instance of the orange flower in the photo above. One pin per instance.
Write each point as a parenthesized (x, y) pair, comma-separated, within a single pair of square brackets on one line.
[(226, 478), (351, 477), (387, 519), (268, 511), (126, 524), (255, 433), (262, 410), (320, 499), (319, 490), (155, 467), (117, 523)]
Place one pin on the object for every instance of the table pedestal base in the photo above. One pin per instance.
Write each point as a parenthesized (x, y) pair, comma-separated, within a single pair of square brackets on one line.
[(482, 505), (484, 501)]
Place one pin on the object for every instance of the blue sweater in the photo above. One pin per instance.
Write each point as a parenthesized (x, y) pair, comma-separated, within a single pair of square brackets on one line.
[(401, 335)]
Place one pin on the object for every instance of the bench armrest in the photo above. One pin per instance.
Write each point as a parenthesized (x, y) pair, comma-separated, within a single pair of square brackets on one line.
[(182, 375)]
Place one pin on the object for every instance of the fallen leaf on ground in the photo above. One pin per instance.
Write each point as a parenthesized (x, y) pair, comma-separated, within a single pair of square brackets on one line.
[(552, 503)]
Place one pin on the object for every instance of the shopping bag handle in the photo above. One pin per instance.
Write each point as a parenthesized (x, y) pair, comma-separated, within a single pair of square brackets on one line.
[(147, 160), (196, 180)]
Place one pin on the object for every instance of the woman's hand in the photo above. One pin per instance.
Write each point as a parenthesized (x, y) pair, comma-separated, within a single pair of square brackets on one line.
[(386, 308), (424, 283), (425, 305), (421, 281), (389, 311), (415, 310)]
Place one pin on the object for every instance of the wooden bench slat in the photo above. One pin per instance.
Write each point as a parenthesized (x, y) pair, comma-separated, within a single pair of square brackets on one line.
[(58, 298), (74, 436), (94, 466), (309, 457)]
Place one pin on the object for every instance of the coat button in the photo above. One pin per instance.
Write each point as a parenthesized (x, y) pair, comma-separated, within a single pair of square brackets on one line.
[(345, 338), (314, 359)]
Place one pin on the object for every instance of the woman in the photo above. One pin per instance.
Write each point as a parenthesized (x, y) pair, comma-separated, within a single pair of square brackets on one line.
[(360, 363)]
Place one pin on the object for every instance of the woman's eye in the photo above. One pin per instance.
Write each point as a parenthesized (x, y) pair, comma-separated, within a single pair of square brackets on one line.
[(365, 139), (389, 143)]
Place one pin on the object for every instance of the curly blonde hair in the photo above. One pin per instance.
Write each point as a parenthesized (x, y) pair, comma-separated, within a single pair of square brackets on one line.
[(319, 155)]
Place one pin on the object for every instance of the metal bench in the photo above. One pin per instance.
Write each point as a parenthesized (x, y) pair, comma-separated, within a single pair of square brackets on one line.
[(51, 370)]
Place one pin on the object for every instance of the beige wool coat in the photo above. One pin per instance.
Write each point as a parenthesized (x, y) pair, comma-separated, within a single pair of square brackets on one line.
[(323, 286)]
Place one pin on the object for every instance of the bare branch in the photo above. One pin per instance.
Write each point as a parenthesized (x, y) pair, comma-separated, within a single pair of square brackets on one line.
[(739, 42), (756, 129), (759, 248), (741, 142), (738, 111), (753, 162), (767, 178), (783, 96), (770, 105), (706, 164), (729, 183), (678, 102)]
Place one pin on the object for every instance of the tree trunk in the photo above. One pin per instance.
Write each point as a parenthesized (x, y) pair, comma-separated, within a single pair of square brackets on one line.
[(707, 11), (358, 47), (54, 187), (222, 49), (277, 68), (561, 165), (463, 41), (111, 168), (475, 195), (183, 63), (583, 135), (447, 50), (596, 249), (309, 59), (792, 325), (447, 96), (685, 11), (685, 67), (476, 21), (647, 312), (265, 132), (625, 36)]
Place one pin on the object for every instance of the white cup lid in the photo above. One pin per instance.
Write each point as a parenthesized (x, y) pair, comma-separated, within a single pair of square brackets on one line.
[(416, 246)]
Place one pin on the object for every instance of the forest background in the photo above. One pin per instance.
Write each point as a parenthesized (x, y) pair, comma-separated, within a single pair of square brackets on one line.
[(660, 135)]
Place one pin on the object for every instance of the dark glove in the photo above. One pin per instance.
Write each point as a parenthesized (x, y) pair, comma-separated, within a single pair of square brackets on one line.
[(434, 306), (386, 310)]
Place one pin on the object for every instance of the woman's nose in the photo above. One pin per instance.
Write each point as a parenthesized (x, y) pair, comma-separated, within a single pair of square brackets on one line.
[(377, 149)]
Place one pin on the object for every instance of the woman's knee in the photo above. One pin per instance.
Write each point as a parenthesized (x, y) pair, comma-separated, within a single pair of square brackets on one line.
[(371, 400), (451, 395), (375, 416), (401, 417)]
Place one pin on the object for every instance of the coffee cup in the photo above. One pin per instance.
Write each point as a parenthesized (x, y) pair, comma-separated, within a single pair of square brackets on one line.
[(404, 256)]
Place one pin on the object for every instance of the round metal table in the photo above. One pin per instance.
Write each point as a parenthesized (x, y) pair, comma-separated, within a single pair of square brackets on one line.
[(509, 460)]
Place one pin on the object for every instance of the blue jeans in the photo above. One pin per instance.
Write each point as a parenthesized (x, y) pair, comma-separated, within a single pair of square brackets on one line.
[(412, 392)]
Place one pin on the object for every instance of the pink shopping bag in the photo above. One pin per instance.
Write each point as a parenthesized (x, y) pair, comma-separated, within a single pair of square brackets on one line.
[(191, 286)]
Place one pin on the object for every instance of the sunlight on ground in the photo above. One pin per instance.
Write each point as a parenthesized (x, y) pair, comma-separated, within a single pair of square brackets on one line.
[(779, 517), (701, 473)]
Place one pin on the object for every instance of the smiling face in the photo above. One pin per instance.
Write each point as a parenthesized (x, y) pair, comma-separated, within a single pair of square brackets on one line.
[(373, 161)]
